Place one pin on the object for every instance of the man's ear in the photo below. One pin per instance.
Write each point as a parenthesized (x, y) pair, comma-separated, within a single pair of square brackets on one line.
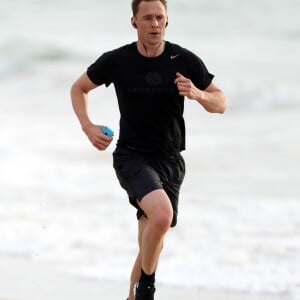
[(133, 23)]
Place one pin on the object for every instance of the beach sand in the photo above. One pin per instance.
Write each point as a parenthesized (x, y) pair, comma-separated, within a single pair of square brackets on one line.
[(22, 279)]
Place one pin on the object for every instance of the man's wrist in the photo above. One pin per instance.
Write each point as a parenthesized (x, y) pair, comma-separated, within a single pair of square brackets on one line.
[(86, 125), (200, 96)]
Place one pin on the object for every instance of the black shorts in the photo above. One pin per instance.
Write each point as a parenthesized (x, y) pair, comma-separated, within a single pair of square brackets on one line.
[(140, 174)]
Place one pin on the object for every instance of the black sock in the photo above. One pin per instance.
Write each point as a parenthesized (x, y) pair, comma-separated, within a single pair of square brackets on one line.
[(147, 279)]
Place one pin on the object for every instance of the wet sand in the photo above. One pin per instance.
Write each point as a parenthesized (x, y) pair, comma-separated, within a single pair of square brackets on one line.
[(22, 279)]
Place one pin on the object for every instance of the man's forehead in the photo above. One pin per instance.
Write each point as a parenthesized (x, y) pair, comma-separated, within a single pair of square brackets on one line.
[(151, 8)]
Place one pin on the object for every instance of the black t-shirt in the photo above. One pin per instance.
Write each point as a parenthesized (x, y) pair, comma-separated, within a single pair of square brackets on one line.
[(151, 109)]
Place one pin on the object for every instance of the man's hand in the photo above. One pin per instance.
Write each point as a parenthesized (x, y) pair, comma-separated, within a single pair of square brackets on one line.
[(97, 138), (186, 87), (212, 98)]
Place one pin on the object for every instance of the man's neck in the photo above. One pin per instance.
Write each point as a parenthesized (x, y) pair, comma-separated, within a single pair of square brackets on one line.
[(149, 50)]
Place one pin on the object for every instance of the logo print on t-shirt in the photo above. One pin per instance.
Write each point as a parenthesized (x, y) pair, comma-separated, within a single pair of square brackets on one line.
[(153, 79)]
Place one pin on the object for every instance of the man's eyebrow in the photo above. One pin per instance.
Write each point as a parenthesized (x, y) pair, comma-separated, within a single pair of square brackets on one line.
[(152, 15)]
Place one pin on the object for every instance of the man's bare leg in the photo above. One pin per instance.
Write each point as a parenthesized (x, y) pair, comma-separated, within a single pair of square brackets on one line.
[(161, 222), (136, 270), (135, 275), (137, 267), (159, 211)]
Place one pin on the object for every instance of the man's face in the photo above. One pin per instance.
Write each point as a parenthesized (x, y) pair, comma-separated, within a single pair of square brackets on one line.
[(151, 22)]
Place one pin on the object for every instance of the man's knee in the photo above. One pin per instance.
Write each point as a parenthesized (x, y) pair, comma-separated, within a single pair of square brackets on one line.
[(162, 220), (158, 209)]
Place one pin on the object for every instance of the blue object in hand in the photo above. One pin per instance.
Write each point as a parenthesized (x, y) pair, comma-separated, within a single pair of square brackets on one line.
[(107, 131)]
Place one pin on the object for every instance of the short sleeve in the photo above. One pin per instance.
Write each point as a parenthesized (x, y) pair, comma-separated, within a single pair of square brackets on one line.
[(200, 76), (100, 72)]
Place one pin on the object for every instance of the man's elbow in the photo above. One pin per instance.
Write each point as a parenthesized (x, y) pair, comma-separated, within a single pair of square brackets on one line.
[(219, 108), (82, 85), (73, 89), (222, 108), (222, 104), (218, 105), (77, 90)]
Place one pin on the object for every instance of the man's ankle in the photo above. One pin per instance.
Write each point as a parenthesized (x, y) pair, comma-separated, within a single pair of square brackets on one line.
[(146, 278)]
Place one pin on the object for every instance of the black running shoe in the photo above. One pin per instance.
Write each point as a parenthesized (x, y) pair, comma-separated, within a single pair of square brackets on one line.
[(144, 291)]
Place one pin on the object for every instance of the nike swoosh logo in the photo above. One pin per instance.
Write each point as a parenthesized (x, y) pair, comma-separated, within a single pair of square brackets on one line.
[(174, 56)]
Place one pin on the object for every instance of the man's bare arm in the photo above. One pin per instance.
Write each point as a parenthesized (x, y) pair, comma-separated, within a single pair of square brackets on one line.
[(79, 96)]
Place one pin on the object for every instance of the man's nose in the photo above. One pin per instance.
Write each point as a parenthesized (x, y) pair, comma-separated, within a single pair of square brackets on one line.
[(155, 23)]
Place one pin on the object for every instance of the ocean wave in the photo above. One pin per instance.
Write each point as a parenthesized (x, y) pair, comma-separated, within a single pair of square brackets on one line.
[(20, 55), (263, 98)]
